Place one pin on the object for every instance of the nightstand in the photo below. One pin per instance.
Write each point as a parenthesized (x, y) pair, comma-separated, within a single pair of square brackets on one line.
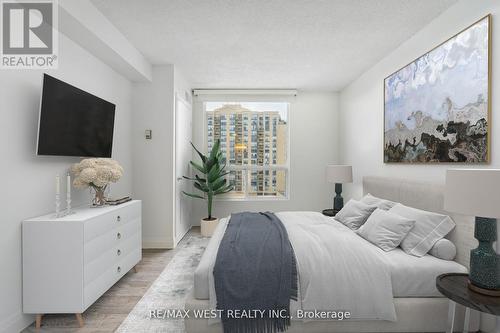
[(330, 212), (454, 286)]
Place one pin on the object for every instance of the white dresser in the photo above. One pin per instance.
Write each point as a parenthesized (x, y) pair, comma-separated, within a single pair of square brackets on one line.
[(69, 262)]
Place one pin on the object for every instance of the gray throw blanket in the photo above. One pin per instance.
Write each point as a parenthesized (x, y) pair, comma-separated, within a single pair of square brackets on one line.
[(255, 274)]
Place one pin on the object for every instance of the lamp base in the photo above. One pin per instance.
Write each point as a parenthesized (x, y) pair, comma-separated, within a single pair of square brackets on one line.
[(338, 201), (489, 292), (484, 261)]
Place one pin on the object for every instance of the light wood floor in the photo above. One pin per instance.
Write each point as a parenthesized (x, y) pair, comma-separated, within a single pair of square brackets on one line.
[(108, 312)]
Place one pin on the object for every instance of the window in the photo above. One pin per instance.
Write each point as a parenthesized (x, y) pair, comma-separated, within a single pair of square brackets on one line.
[(254, 143)]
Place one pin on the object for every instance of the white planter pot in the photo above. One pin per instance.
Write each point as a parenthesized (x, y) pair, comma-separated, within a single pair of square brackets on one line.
[(208, 227)]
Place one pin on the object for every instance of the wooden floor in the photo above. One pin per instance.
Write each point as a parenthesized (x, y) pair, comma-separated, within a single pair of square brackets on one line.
[(108, 312)]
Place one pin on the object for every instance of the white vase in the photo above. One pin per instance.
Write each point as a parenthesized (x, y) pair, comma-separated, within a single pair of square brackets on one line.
[(208, 226)]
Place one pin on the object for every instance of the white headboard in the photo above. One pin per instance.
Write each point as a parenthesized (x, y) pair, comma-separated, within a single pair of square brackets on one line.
[(426, 196)]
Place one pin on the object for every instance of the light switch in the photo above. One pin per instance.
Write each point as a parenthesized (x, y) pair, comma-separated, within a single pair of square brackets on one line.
[(149, 134)]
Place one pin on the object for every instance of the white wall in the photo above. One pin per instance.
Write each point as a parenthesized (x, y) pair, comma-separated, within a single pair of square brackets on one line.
[(154, 160), (313, 143), (182, 85), (361, 103), (28, 180), (152, 103)]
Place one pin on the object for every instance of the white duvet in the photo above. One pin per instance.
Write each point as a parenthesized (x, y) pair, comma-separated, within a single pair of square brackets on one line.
[(338, 270)]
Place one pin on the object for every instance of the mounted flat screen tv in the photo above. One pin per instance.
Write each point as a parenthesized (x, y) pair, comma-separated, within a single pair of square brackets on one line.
[(74, 122)]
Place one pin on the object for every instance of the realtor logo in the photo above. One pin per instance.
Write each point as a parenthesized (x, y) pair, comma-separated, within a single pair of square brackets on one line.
[(29, 35)]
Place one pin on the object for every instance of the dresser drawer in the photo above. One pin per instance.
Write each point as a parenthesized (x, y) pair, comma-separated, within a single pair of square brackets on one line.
[(128, 230), (110, 276), (100, 265), (105, 250), (129, 261), (93, 290), (101, 224), (128, 245), (96, 247), (102, 243)]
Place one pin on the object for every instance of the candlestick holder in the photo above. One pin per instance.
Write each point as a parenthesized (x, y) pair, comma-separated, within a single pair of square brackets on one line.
[(58, 205), (68, 205)]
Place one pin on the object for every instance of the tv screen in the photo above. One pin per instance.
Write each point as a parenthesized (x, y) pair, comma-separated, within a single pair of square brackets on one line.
[(74, 122)]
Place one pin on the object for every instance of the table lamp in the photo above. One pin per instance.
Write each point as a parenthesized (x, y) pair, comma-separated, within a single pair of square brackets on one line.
[(338, 174), (476, 192)]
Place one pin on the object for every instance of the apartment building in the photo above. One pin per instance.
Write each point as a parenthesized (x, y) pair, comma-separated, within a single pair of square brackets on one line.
[(254, 144)]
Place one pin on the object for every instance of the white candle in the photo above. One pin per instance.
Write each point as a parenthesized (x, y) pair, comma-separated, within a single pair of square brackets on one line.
[(58, 184), (68, 186), (68, 194)]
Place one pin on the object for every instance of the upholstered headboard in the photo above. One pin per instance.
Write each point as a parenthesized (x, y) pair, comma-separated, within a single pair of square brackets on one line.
[(426, 196)]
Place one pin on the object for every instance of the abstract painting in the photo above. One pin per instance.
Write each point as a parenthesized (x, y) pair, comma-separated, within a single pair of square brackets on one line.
[(436, 109)]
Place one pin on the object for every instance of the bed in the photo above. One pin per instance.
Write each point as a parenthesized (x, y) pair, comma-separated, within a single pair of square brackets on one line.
[(417, 304)]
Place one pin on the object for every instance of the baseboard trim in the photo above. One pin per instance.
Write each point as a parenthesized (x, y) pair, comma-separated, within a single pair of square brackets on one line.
[(184, 233), (157, 244), (16, 322)]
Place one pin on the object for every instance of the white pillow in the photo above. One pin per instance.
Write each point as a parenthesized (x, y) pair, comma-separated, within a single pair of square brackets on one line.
[(444, 249), (354, 214), (386, 230), (380, 203), (429, 228)]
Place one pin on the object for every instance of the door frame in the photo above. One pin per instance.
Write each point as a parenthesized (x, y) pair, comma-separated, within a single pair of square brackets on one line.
[(178, 98)]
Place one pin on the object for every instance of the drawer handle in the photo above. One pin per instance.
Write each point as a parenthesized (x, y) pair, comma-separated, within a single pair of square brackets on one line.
[(118, 235), (119, 252), (119, 269), (118, 218)]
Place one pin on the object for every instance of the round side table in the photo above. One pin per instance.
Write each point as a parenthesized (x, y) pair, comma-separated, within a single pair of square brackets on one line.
[(329, 212), (454, 286)]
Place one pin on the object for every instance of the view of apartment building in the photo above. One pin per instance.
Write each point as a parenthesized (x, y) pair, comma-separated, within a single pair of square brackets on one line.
[(255, 147)]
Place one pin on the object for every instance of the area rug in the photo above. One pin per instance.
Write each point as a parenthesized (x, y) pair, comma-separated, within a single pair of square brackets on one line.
[(169, 291)]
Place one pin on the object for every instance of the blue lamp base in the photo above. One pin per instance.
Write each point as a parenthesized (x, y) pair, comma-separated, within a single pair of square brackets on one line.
[(484, 261)]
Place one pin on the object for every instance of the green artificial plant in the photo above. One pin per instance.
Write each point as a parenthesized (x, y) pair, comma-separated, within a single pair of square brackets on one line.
[(211, 176)]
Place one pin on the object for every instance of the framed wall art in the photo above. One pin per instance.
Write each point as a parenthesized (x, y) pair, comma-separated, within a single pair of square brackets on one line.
[(437, 108)]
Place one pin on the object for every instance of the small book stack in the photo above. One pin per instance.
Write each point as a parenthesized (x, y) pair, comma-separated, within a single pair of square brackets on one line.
[(114, 202)]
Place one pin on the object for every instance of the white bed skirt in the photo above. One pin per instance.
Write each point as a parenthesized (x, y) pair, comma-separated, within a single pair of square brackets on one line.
[(414, 315)]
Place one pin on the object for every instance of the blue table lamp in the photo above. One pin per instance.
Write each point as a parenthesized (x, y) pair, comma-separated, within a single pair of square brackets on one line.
[(476, 192), (338, 174)]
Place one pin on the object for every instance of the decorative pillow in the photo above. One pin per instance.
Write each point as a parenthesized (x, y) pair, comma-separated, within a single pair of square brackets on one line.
[(380, 203), (429, 228), (444, 249), (386, 230), (354, 214)]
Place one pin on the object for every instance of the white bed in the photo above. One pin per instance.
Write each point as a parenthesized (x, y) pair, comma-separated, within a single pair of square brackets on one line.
[(419, 306), (411, 276)]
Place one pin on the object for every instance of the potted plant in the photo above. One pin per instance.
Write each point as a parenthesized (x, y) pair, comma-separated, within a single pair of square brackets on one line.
[(210, 179)]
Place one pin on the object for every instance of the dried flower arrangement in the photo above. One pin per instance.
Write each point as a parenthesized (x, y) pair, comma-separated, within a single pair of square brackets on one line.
[(96, 173)]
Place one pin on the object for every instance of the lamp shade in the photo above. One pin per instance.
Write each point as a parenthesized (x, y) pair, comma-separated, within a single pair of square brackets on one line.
[(339, 174), (474, 192)]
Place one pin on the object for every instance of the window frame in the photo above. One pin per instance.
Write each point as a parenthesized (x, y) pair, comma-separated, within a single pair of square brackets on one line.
[(286, 167)]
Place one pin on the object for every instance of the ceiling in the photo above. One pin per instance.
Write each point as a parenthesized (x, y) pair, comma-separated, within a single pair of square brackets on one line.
[(303, 44)]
